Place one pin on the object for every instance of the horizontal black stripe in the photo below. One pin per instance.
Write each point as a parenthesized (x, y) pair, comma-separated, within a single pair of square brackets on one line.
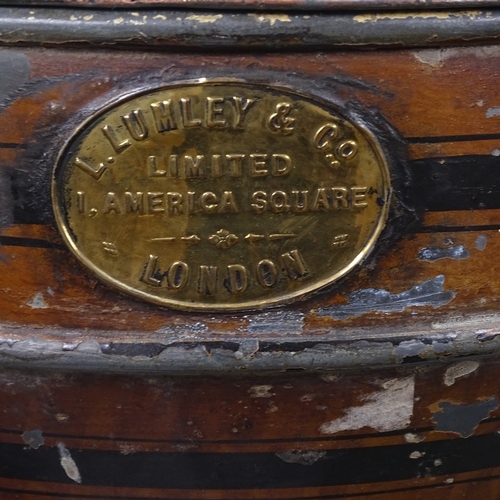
[(248, 471), (458, 229), (455, 183), (14, 241), (452, 138), (11, 145), (434, 184)]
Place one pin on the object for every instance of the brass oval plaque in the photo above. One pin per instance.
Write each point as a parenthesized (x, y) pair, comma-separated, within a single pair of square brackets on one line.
[(220, 196)]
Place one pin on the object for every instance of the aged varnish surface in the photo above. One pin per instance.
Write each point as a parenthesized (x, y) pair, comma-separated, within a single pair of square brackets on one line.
[(125, 161)]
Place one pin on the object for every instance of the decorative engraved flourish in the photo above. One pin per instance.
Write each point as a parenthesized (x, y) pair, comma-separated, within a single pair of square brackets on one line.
[(252, 238), (193, 239), (280, 121), (223, 239), (110, 248), (340, 240), (281, 236), (190, 240)]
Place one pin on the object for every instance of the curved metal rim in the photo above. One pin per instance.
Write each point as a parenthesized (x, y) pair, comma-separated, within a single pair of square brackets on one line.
[(259, 30)]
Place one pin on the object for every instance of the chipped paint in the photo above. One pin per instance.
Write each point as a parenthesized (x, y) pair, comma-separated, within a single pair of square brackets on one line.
[(416, 454), (413, 438), (462, 419), (386, 410), (436, 58), (68, 464), (481, 240), (160, 16), (37, 302), (409, 348), (271, 18), (205, 18), (189, 330), (429, 292), (289, 322), (467, 322), (128, 449), (393, 16), (430, 57), (89, 17), (118, 20), (261, 391), (301, 457), (459, 370), (491, 112), (33, 438), (432, 254)]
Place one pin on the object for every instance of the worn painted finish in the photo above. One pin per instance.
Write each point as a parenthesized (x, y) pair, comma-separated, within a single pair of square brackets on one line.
[(384, 387), (337, 435), (267, 4), (245, 30), (398, 303)]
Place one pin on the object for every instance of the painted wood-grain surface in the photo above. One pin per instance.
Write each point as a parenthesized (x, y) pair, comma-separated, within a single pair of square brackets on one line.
[(448, 139)]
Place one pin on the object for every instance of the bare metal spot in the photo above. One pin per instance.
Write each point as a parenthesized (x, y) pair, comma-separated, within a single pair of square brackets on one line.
[(459, 370), (37, 302), (301, 457), (491, 112), (417, 454), (261, 391), (432, 254), (289, 322), (427, 293), (463, 419), (33, 438), (386, 410), (68, 464), (481, 240)]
